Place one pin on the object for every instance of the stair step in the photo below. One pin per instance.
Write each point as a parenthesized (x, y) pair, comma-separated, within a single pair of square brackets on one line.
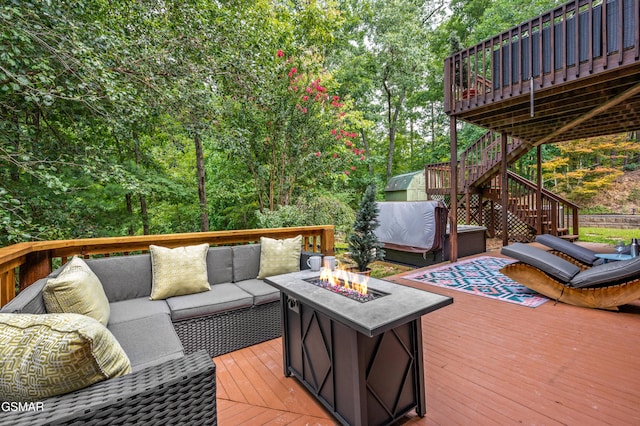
[(571, 238)]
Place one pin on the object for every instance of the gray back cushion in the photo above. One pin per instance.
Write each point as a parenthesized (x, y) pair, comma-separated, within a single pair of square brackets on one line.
[(608, 273), (246, 262), (28, 301), (583, 254), (554, 266), (123, 277), (219, 265)]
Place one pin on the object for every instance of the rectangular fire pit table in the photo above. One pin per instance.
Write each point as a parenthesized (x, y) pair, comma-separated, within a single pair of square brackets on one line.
[(362, 361)]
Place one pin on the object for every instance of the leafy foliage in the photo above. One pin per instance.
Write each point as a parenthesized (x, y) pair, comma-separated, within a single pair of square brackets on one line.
[(298, 108), (585, 167)]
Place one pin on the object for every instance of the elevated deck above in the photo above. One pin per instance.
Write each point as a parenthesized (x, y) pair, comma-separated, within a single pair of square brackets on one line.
[(570, 73)]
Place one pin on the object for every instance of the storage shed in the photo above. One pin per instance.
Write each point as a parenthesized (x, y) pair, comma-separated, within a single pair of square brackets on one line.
[(406, 187)]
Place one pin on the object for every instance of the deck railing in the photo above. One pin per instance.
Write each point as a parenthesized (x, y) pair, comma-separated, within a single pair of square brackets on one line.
[(574, 40), (24, 263)]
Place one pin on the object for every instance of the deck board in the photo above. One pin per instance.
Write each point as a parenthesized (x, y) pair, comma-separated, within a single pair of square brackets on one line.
[(486, 362)]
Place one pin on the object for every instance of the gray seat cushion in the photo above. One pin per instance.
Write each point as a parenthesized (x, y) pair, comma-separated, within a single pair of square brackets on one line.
[(127, 310), (583, 254), (221, 298), (148, 341), (555, 266), (261, 291), (123, 277), (608, 274)]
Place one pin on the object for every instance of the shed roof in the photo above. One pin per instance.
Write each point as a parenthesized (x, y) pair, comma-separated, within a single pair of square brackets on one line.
[(401, 182)]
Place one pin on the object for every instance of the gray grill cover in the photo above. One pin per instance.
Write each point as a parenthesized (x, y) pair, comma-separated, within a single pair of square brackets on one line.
[(411, 224)]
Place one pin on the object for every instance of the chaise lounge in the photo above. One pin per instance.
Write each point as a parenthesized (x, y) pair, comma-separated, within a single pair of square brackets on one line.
[(574, 253), (605, 286)]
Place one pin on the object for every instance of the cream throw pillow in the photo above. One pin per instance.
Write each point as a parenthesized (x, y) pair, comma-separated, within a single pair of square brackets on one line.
[(52, 354), (178, 271), (77, 290), (279, 256)]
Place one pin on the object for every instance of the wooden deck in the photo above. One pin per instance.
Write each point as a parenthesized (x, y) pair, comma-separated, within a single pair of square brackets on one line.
[(486, 362)]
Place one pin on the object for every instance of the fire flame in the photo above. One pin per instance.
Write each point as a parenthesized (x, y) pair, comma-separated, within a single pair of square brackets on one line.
[(343, 278)]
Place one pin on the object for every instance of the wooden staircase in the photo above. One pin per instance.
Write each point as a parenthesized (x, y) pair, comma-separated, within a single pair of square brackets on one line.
[(529, 211)]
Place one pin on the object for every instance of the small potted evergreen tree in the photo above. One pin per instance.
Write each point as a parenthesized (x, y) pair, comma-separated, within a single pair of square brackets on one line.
[(363, 242)]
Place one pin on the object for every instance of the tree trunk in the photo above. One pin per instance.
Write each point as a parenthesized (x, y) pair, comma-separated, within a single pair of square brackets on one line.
[(366, 150), (202, 193), (392, 121), (144, 214), (127, 199), (433, 125)]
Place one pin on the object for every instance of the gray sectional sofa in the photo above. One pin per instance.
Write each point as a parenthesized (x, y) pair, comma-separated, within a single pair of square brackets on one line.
[(169, 342)]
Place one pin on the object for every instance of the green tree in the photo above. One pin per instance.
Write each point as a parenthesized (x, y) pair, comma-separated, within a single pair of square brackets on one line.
[(289, 131), (363, 242)]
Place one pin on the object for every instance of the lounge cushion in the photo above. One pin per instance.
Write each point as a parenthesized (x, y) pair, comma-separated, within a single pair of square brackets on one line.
[(123, 277), (261, 291), (221, 298), (246, 262), (279, 256), (52, 354), (77, 290), (608, 273), (178, 271), (148, 341), (576, 251), (127, 310), (553, 265)]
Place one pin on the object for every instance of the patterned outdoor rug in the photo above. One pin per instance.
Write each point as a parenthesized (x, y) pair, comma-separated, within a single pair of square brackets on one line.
[(480, 276)]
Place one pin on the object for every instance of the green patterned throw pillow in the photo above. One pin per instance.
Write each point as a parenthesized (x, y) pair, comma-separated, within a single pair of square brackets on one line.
[(77, 290), (52, 354), (279, 256), (178, 271)]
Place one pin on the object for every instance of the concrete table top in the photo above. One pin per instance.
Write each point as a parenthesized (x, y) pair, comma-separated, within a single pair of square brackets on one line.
[(401, 304)]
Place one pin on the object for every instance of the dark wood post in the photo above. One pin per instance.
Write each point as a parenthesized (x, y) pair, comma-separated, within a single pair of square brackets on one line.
[(504, 183), (453, 208), (539, 190)]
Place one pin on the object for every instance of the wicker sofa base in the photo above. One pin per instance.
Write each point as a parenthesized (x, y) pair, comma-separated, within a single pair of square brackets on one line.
[(178, 392), (229, 331)]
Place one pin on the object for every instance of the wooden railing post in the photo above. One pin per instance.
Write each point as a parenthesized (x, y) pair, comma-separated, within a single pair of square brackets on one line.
[(37, 265), (327, 241), (7, 286)]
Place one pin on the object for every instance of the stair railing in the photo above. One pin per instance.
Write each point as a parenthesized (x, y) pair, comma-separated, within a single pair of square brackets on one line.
[(555, 213), (482, 156)]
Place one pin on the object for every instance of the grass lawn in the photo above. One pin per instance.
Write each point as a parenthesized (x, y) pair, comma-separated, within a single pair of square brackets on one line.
[(607, 235)]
